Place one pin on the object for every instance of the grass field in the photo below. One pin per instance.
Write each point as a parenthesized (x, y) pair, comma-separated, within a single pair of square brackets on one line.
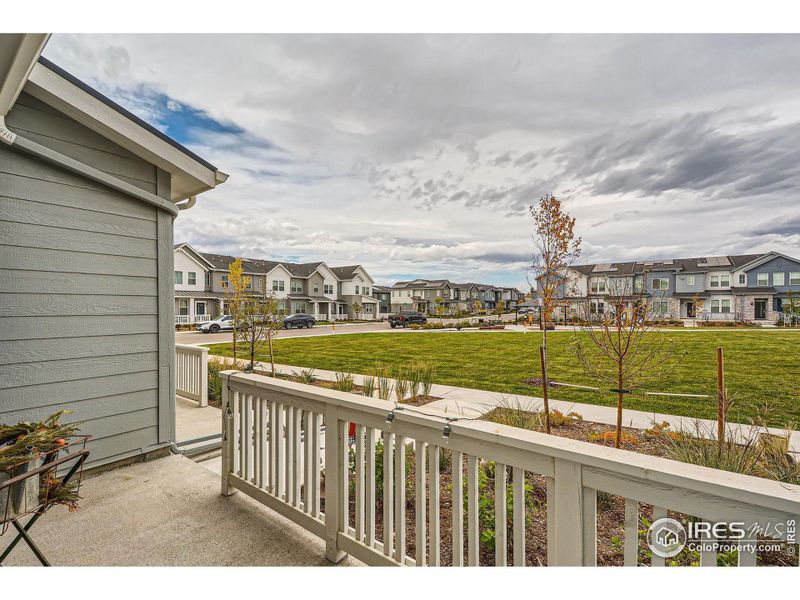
[(762, 367)]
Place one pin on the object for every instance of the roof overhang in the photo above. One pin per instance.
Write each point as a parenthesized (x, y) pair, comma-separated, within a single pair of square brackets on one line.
[(189, 175), (18, 55), (763, 259)]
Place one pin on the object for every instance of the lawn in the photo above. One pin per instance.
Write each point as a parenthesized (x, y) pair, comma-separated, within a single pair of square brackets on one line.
[(762, 367)]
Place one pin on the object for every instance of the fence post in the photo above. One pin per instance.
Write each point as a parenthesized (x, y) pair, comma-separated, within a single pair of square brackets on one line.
[(228, 449), (721, 400), (334, 448), (203, 391), (567, 518)]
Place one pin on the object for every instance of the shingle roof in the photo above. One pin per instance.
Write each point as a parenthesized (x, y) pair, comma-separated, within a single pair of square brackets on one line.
[(689, 265), (347, 272)]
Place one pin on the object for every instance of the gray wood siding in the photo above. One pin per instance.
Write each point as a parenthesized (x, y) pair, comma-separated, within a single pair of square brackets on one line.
[(80, 300), (43, 124)]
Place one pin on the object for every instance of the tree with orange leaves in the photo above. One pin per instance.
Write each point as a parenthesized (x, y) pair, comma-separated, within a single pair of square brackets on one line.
[(556, 250)]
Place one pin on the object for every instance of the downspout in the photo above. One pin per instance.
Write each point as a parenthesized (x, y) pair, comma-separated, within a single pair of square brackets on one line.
[(70, 164), (190, 202)]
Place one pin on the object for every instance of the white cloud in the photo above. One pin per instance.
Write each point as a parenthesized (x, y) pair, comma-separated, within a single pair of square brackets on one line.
[(418, 155)]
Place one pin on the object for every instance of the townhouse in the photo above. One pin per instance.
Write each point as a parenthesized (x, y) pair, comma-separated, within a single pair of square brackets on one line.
[(327, 293), (383, 295), (432, 296), (747, 287)]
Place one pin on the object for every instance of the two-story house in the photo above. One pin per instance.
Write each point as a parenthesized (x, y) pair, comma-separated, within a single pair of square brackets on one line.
[(421, 295), (750, 287), (328, 293), (383, 295)]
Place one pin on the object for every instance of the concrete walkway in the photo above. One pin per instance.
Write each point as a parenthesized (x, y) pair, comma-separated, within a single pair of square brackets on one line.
[(470, 403), (167, 512)]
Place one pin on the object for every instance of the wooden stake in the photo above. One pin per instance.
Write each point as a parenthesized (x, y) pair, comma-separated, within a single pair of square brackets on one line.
[(720, 396), (544, 390)]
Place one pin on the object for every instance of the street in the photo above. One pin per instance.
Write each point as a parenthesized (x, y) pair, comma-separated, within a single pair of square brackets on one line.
[(195, 337)]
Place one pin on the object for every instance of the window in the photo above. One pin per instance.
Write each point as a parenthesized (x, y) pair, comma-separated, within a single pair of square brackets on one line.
[(281, 308), (278, 285), (742, 279), (366, 291), (328, 289), (597, 307), (356, 290), (183, 305), (725, 280), (297, 287), (299, 307), (207, 278), (762, 279), (720, 306), (661, 307), (661, 283), (178, 277), (192, 278), (794, 278), (316, 287), (778, 278), (408, 293), (598, 286), (225, 281), (690, 280), (637, 283), (368, 309), (248, 283)]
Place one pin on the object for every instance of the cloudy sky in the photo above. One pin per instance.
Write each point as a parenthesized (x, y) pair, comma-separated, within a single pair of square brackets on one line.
[(418, 156)]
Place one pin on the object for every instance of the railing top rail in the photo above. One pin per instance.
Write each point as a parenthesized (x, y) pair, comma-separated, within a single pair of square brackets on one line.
[(774, 495), (191, 349)]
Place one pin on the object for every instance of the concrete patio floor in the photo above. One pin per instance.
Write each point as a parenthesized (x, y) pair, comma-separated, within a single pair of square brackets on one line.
[(167, 512)]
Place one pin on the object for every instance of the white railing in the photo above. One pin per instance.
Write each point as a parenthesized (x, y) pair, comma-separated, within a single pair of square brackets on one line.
[(191, 373), (280, 436), (187, 319)]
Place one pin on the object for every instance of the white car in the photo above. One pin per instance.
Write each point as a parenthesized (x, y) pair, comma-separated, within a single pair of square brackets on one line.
[(224, 323)]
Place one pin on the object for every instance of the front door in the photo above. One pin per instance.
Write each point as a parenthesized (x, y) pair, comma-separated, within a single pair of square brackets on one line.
[(199, 308), (761, 309), (690, 310)]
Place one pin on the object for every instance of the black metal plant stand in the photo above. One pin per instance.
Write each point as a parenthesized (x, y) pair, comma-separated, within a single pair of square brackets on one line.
[(78, 458)]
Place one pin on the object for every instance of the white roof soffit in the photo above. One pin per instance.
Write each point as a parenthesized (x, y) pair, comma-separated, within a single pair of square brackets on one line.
[(18, 54), (189, 177)]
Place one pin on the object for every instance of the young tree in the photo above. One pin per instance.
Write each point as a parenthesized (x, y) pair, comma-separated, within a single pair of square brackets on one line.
[(500, 308), (439, 301), (621, 346), (791, 308), (235, 297), (356, 309), (698, 304), (260, 324), (556, 250), (476, 306)]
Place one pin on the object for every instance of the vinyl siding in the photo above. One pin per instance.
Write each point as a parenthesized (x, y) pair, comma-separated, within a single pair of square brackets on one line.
[(81, 305)]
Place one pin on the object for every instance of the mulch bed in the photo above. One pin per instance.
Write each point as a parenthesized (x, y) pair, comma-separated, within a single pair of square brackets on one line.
[(420, 400), (537, 382)]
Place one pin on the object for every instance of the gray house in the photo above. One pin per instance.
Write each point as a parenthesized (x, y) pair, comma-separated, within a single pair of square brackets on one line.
[(88, 195)]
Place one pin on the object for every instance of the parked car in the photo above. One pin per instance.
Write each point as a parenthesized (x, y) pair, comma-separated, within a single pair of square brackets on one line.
[(299, 320), (224, 323), (407, 317)]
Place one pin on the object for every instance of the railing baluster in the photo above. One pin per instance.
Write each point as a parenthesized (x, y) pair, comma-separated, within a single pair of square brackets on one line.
[(344, 476), (631, 542), (315, 473), (473, 535), (433, 491), (458, 509), (280, 451), (273, 447), (400, 499), (257, 442), (297, 463), (247, 436), (658, 513), (308, 451), (359, 458), (388, 493), (419, 507), (589, 527), (500, 526), (236, 442), (518, 477), (290, 457), (369, 496)]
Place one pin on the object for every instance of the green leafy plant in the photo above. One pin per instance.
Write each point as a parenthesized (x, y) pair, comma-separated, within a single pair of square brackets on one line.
[(401, 386), (384, 379)]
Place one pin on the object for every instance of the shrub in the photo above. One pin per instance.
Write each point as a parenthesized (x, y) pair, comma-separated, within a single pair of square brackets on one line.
[(384, 380), (305, 376), (368, 386), (610, 437), (344, 382), (215, 381)]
